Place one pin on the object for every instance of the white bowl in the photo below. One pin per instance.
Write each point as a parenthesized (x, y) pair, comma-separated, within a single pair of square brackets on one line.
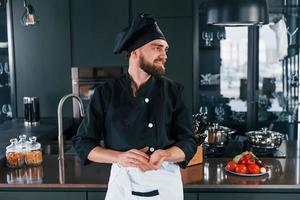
[(3, 44)]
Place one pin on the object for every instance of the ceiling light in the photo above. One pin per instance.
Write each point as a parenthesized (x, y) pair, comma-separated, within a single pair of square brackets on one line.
[(29, 18), (237, 12)]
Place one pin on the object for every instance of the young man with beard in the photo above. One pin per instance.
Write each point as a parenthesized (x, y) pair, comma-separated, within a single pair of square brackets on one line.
[(141, 119)]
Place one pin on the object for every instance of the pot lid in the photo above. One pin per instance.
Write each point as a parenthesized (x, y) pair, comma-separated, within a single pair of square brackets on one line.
[(264, 132), (216, 127)]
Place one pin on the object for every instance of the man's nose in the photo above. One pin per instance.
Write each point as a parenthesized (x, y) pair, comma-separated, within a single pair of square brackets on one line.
[(164, 55)]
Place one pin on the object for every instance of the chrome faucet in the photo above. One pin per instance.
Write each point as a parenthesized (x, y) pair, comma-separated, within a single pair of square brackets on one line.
[(61, 155)]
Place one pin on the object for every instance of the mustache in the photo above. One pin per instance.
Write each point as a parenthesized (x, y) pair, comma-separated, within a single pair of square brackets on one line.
[(160, 60)]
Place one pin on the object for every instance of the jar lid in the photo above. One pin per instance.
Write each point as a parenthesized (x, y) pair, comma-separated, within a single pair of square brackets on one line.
[(216, 127), (22, 139), (22, 143), (33, 144), (13, 147)]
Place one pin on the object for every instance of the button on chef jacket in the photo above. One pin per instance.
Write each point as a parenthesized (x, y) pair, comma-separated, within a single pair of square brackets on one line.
[(156, 117)]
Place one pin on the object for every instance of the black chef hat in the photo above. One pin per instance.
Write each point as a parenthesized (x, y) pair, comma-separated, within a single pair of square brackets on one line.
[(142, 30)]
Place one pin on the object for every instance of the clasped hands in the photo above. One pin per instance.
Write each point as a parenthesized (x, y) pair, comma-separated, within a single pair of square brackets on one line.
[(138, 158)]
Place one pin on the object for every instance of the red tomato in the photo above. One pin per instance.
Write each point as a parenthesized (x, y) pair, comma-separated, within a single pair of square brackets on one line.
[(231, 165), (242, 169), (247, 159), (243, 161), (251, 161), (247, 156), (254, 169)]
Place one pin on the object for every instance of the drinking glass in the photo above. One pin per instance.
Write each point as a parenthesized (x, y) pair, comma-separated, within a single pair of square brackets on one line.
[(6, 68), (208, 37), (221, 35), (203, 110), (1, 69), (219, 110), (6, 110)]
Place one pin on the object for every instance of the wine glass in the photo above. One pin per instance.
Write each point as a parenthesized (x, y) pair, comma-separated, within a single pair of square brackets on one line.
[(221, 35), (203, 110), (291, 34), (6, 110), (1, 69), (208, 37), (6, 68), (219, 110)]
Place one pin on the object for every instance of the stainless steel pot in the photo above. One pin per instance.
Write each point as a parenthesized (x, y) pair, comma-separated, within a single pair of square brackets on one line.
[(264, 138), (218, 136)]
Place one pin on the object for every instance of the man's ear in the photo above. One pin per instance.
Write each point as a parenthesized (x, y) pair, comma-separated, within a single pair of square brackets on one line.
[(135, 53)]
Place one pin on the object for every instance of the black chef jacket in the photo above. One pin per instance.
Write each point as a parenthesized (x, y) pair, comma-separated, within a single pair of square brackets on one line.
[(156, 117)]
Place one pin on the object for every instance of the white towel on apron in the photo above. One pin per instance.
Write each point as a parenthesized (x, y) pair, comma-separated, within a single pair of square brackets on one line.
[(129, 183)]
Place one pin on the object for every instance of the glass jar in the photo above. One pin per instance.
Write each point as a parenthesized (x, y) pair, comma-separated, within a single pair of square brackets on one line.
[(35, 174), (14, 154), (33, 155), (22, 143), (16, 176)]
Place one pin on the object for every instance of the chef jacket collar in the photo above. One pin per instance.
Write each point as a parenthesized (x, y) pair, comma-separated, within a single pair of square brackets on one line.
[(144, 88)]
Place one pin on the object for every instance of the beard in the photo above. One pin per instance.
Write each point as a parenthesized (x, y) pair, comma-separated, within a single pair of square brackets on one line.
[(151, 69)]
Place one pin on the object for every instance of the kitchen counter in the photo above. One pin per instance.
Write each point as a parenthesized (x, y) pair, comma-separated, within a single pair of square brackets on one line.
[(210, 175), (208, 180)]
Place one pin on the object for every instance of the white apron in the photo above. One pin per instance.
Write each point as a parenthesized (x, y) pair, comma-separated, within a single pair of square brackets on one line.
[(129, 183)]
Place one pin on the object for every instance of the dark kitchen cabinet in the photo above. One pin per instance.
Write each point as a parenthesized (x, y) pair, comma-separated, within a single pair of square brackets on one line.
[(190, 196), (164, 8), (31, 195), (62, 195), (94, 25), (42, 55), (256, 196), (89, 195), (81, 33), (101, 196), (96, 195)]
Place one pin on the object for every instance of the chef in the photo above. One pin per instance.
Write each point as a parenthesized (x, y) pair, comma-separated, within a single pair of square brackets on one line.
[(139, 122)]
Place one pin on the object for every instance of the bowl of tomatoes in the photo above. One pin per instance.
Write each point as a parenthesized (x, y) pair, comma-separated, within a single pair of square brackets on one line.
[(247, 164)]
